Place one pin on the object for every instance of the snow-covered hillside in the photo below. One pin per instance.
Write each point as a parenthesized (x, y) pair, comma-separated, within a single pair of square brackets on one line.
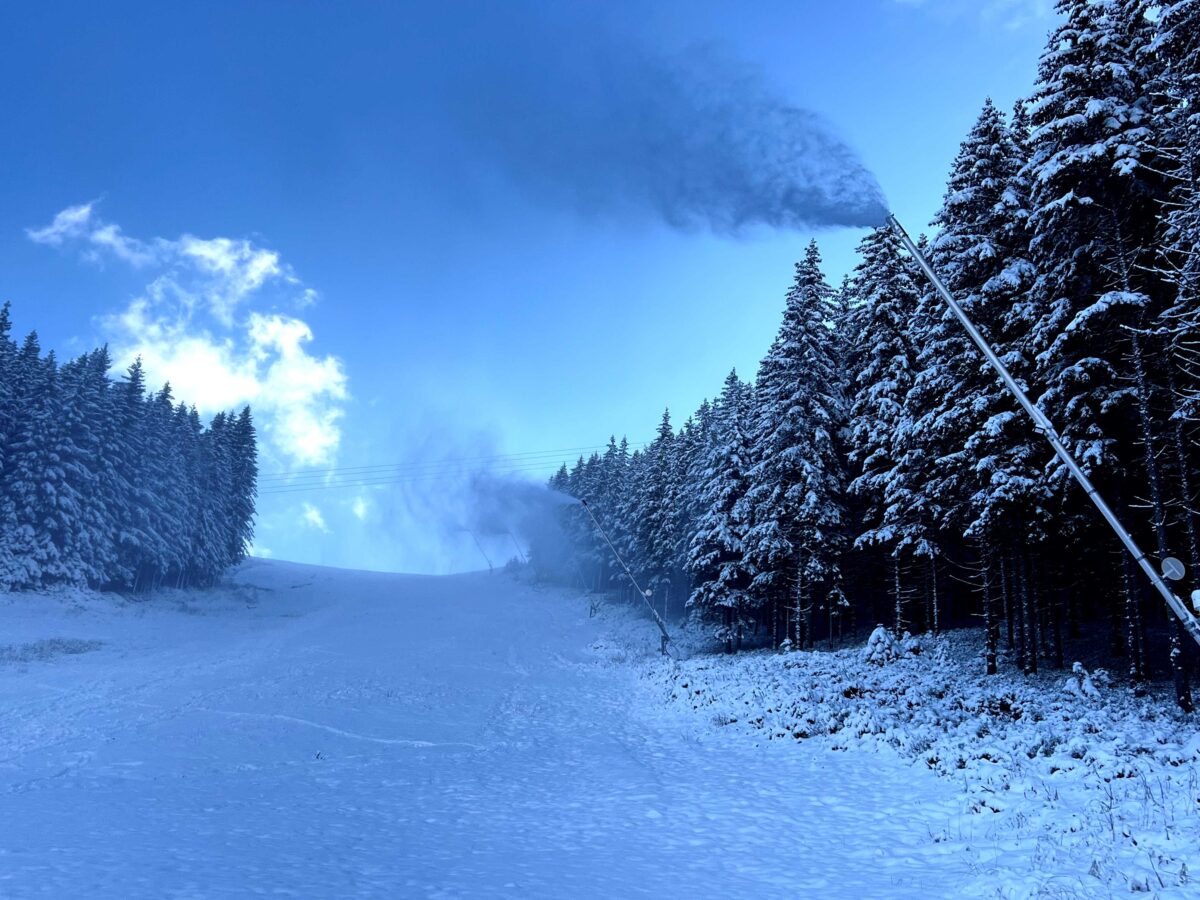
[(317, 733)]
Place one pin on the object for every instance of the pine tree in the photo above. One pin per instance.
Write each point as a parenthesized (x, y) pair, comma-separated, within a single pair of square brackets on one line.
[(244, 485), (716, 558), (794, 504), (887, 301), (1089, 207)]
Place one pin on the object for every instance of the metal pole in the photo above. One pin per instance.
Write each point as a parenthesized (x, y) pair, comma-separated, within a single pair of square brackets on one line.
[(475, 538), (1044, 426), (645, 599)]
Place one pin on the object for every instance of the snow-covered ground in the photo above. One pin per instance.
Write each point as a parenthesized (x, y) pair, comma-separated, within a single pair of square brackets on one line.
[(317, 733), (1066, 787)]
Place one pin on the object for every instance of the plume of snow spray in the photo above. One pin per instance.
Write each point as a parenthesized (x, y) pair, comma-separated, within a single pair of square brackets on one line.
[(521, 513), (505, 505), (695, 140)]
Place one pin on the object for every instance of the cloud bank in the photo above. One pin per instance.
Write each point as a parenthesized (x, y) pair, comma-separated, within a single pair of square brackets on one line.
[(196, 325)]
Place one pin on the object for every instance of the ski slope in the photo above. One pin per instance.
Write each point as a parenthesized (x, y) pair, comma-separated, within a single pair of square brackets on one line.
[(313, 732)]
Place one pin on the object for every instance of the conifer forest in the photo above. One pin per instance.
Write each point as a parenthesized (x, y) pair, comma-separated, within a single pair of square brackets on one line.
[(875, 471), (106, 484)]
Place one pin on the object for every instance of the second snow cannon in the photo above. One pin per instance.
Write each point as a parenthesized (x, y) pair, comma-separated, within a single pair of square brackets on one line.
[(645, 595)]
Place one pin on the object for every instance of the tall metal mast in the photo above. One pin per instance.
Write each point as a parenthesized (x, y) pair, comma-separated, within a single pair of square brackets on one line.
[(1043, 425), (645, 595)]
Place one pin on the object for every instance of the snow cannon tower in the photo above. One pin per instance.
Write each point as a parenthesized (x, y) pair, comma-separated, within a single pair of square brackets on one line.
[(1171, 567)]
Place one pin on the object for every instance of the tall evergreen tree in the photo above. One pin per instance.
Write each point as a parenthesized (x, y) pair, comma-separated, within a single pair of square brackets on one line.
[(794, 504), (887, 300), (716, 558)]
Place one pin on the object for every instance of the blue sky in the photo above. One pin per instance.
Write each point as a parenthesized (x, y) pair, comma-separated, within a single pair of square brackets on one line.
[(284, 202)]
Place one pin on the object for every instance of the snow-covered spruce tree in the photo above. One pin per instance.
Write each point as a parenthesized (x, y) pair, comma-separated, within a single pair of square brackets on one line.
[(1094, 203), (915, 498), (630, 507), (716, 559), (886, 301), (553, 554), (693, 448), (683, 512), (1083, 151), (586, 482), (604, 503), (243, 442), (794, 503), (1174, 59), (86, 540), (981, 460), (1165, 40), (163, 462), (658, 500), (32, 475)]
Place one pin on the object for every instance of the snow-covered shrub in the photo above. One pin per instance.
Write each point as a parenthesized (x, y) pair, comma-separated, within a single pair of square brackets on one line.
[(1079, 683), (882, 647), (911, 646)]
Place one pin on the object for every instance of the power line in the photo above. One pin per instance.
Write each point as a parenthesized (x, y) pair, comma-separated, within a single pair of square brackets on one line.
[(414, 468), (401, 467), (406, 479), (399, 473)]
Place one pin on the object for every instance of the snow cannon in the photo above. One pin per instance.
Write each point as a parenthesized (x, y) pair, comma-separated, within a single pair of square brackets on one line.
[(1042, 424), (644, 594)]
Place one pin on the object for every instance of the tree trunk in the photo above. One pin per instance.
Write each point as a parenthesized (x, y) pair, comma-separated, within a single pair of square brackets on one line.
[(798, 625), (1056, 617), (990, 629), (1134, 638), (1179, 674), (899, 596), (1189, 516), (1179, 439), (1006, 596), (934, 585), (1029, 656)]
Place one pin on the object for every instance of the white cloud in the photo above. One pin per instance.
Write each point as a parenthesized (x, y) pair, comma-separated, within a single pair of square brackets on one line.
[(237, 269), (70, 223), (194, 326), (312, 517), (221, 272)]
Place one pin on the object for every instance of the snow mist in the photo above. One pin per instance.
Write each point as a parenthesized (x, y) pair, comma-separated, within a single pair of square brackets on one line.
[(465, 507), (695, 140)]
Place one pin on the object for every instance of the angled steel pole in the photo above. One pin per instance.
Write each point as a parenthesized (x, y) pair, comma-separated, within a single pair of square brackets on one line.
[(1043, 425), (662, 626)]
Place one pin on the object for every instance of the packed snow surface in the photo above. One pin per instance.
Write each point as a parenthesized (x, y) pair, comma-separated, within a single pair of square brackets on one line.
[(319, 733)]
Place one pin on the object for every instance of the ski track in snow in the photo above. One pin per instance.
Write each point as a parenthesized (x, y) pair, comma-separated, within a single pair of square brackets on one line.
[(395, 742), (358, 734)]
